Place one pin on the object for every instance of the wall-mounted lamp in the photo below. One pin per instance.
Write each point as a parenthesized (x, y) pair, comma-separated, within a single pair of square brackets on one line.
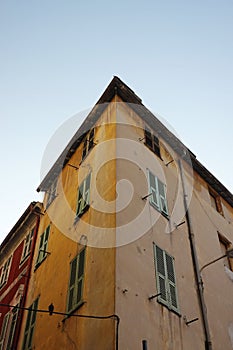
[(229, 254)]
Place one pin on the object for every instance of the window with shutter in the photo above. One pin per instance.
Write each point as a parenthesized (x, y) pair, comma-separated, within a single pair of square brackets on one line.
[(30, 325), (165, 279), (88, 143), (5, 272), (158, 194), (27, 245), (152, 142), (42, 253), (4, 330), (75, 290), (83, 202)]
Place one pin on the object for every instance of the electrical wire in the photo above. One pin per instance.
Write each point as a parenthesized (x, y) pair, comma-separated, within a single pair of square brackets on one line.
[(114, 316)]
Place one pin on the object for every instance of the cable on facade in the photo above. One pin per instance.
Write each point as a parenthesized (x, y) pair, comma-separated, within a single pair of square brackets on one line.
[(51, 312)]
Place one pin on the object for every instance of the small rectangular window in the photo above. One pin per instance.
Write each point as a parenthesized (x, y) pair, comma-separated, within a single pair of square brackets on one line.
[(27, 245), (42, 253), (75, 290), (30, 325), (215, 201), (157, 189), (166, 279), (5, 272), (152, 142), (88, 143), (83, 201)]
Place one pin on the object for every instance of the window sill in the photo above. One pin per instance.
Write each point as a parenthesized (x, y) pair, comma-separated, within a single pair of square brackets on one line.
[(39, 263), (161, 212), (177, 312), (152, 150)]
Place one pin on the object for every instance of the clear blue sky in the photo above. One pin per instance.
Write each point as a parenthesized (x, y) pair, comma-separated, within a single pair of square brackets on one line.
[(57, 57)]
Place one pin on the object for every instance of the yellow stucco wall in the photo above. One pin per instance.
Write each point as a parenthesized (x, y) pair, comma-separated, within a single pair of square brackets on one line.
[(50, 280)]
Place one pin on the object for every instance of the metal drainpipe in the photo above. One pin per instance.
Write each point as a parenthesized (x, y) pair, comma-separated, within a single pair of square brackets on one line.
[(208, 343)]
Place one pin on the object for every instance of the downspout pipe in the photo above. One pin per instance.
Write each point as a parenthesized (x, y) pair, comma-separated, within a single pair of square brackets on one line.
[(208, 343)]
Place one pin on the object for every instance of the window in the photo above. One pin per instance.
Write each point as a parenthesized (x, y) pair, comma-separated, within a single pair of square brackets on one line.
[(83, 202), (42, 253), (165, 278), (3, 335), (27, 245), (5, 272), (158, 194), (88, 143), (30, 325), (76, 281), (51, 194), (224, 246), (215, 201), (152, 142)]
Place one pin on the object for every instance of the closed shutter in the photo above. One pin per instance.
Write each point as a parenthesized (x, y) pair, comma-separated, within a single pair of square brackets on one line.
[(160, 274), (30, 325), (80, 275), (166, 279), (71, 292), (75, 291), (171, 282)]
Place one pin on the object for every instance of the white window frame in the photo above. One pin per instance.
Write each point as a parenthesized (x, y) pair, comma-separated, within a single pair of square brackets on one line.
[(27, 245), (5, 272)]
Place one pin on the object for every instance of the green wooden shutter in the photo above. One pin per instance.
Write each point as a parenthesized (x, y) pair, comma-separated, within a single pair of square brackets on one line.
[(153, 188), (75, 290), (43, 246), (71, 291), (162, 197), (30, 325), (80, 200), (87, 190), (171, 282), (166, 279), (80, 277), (160, 269)]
